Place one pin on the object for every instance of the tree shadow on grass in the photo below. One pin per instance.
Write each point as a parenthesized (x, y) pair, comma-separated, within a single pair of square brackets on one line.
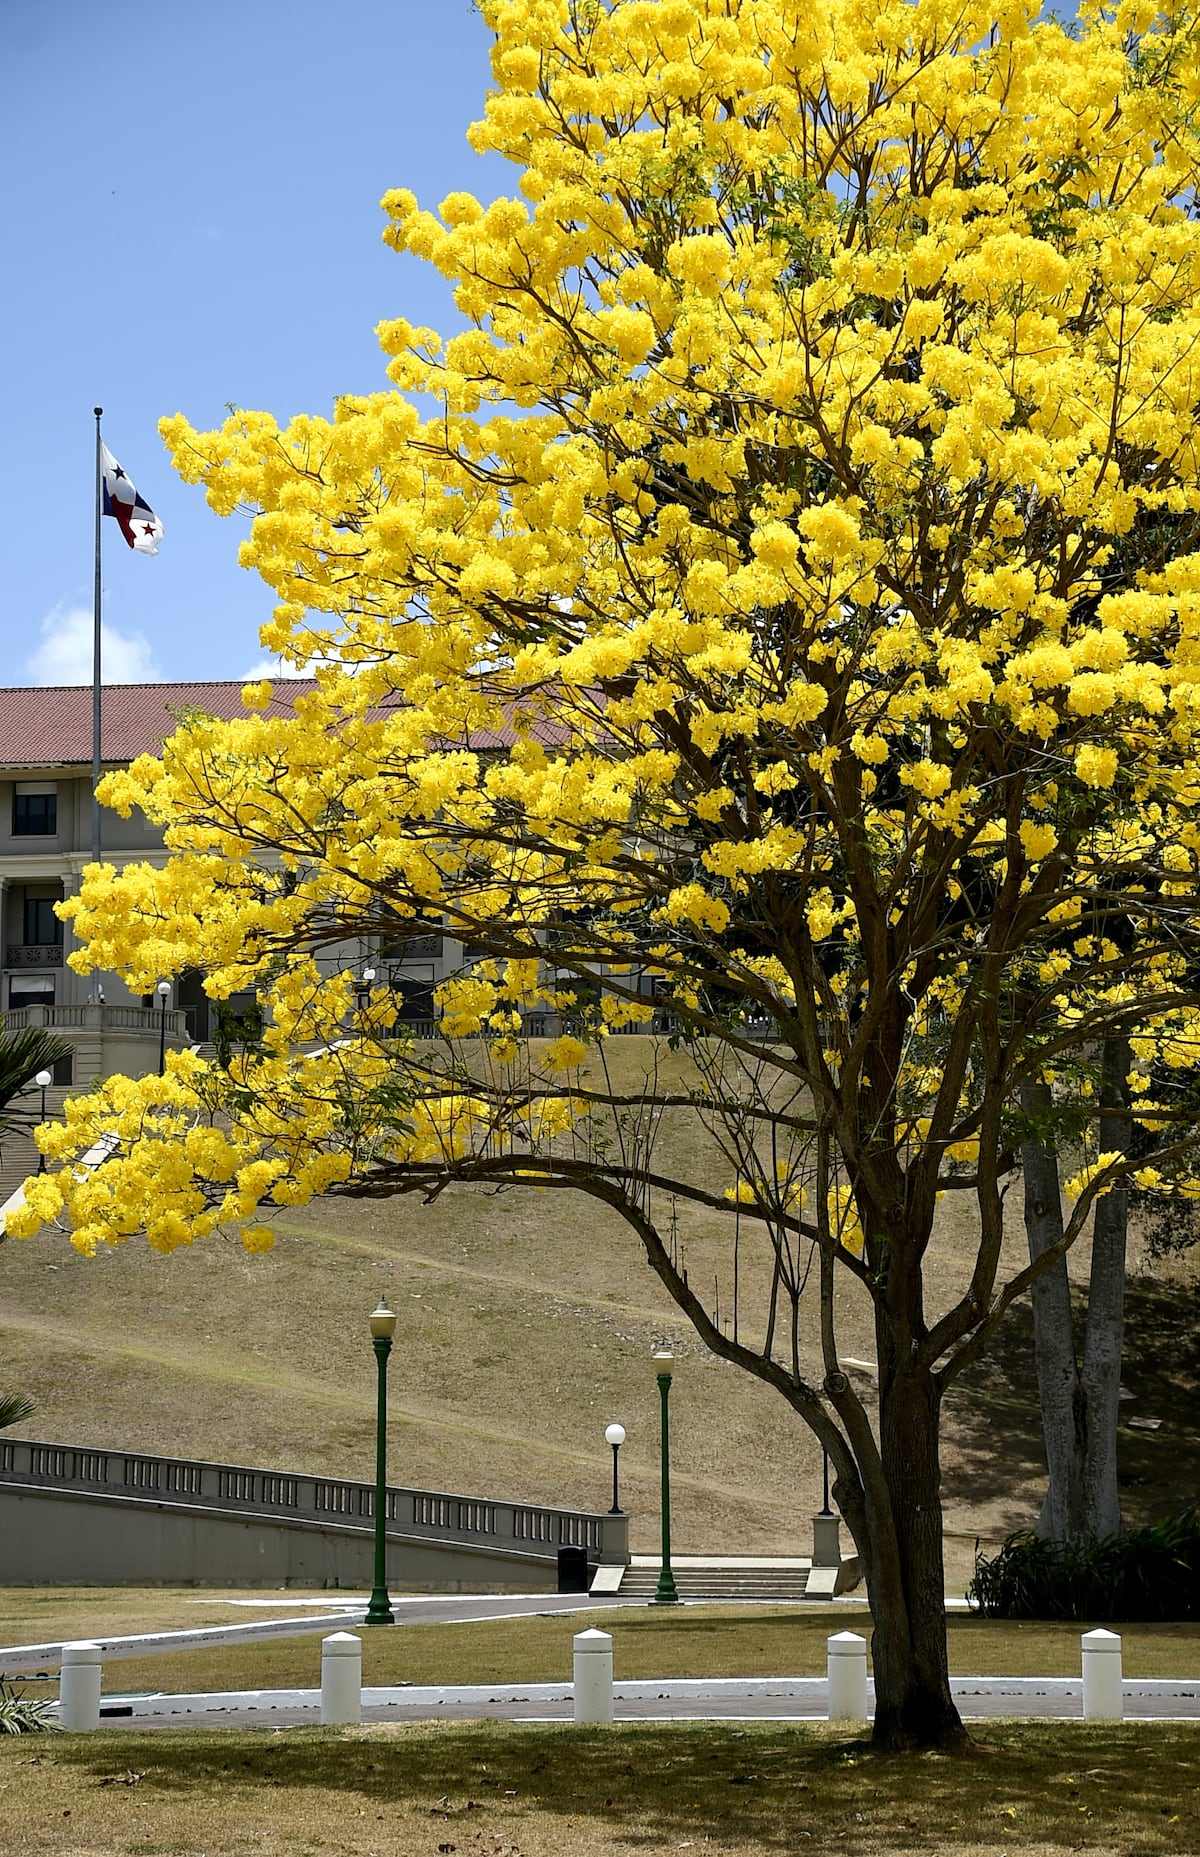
[(780, 1787)]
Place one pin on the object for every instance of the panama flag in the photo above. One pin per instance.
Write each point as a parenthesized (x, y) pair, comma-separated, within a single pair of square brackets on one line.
[(135, 518)]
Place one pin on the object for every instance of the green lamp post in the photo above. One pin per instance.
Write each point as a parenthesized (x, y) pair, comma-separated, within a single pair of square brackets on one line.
[(665, 1593), (383, 1327), (43, 1080), (163, 989)]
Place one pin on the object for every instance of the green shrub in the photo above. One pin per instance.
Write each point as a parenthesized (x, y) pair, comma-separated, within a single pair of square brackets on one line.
[(21, 1714), (1146, 1573)]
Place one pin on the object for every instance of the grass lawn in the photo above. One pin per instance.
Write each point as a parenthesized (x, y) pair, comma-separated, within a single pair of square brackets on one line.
[(499, 1790), (695, 1641), (44, 1614)]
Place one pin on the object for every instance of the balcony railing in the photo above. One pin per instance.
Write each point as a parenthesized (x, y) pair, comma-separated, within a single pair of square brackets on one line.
[(414, 948), (144, 1019), (33, 954)]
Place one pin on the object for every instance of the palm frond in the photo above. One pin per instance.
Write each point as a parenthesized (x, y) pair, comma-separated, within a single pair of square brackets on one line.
[(22, 1055), (14, 1407)]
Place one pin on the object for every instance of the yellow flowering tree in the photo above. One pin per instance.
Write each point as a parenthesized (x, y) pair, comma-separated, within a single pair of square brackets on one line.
[(783, 596)]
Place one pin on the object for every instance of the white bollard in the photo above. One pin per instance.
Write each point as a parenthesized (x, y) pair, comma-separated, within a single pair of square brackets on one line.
[(846, 1665), (341, 1678), (593, 1688), (79, 1687), (1102, 1698)]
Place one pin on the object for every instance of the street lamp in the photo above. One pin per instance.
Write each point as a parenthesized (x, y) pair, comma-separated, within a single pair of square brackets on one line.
[(363, 987), (614, 1435), (43, 1081), (665, 1593), (163, 990), (383, 1327)]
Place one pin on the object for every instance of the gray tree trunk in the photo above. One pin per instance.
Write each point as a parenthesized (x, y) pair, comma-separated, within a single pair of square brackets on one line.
[(1104, 1335), (1053, 1333), (1079, 1400)]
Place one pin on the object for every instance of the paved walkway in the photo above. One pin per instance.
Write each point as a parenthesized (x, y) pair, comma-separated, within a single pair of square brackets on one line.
[(717, 1699), (422, 1609)]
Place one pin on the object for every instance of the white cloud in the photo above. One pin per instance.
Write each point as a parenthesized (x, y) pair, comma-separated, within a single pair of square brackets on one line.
[(65, 653), (277, 669)]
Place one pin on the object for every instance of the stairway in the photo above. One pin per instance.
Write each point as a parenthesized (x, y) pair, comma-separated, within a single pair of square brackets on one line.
[(736, 1578), (18, 1156)]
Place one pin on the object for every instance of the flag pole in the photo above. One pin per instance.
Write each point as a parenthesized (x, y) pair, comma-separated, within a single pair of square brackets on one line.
[(97, 410)]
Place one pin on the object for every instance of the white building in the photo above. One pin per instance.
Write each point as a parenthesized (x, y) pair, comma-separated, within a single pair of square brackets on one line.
[(45, 842)]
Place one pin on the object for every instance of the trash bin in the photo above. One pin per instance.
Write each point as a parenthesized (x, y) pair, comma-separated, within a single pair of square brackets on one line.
[(572, 1570)]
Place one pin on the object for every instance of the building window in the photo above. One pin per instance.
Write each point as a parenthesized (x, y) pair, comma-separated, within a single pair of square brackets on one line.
[(42, 927), (64, 1070), (35, 810), (198, 1009), (30, 990), (414, 998)]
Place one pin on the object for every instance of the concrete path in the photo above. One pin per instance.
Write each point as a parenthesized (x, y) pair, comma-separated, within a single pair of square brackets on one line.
[(423, 1609), (731, 1699), (330, 1614)]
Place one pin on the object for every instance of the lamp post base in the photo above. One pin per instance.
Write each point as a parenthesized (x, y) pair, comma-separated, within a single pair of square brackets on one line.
[(665, 1593), (379, 1611), (827, 1539)]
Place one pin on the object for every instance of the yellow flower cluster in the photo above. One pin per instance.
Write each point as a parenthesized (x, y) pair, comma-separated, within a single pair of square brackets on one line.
[(794, 586)]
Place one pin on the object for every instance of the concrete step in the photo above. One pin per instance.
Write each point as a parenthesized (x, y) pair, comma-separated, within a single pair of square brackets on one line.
[(692, 1582), (18, 1155)]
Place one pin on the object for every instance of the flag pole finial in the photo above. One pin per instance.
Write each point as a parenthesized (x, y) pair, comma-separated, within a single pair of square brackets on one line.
[(97, 410)]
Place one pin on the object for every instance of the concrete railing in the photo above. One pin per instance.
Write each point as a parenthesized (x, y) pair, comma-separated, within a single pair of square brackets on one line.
[(33, 954), (434, 1516), (144, 1019)]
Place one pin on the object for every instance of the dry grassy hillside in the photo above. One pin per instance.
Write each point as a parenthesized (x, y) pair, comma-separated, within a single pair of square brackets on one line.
[(526, 1324)]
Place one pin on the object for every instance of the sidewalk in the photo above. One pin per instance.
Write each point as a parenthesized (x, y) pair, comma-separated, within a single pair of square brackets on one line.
[(709, 1699), (324, 1612), (420, 1609)]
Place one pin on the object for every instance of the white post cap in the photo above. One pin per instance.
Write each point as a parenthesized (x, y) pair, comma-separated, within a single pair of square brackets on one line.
[(340, 1644), (593, 1640)]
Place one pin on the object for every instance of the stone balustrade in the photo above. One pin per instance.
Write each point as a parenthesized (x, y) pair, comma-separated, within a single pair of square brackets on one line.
[(532, 1531)]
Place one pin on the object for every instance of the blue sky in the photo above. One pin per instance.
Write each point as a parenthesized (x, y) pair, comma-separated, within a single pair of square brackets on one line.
[(192, 217)]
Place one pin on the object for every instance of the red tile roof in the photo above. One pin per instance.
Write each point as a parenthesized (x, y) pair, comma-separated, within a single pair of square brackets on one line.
[(52, 727)]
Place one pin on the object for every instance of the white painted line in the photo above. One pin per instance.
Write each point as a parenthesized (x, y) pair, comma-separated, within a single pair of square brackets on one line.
[(17, 1657)]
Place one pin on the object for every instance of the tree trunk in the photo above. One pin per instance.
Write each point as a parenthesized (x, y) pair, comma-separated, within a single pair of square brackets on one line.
[(1079, 1404), (906, 1575), (1060, 1393), (1105, 1333)]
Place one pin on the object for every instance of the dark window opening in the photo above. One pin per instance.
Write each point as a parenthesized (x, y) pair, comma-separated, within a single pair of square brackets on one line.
[(35, 815), (42, 927), (30, 990), (197, 1007), (414, 1000), (64, 1070)]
